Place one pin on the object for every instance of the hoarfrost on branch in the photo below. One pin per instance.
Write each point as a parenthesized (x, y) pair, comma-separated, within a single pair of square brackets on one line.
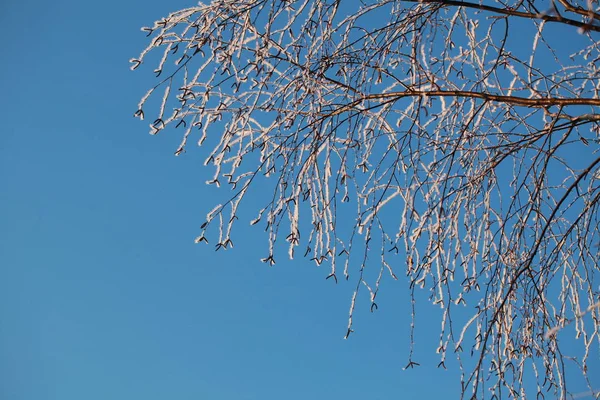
[(462, 136)]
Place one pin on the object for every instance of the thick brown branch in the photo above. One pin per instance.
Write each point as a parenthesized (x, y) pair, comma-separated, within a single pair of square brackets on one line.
[(514, 100), (514, 13), (586, 13)]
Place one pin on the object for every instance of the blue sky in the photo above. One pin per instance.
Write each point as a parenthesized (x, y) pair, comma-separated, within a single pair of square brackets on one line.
[(104, 295)]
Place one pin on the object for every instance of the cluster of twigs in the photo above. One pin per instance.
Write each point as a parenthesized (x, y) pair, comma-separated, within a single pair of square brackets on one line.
[(463, 137)]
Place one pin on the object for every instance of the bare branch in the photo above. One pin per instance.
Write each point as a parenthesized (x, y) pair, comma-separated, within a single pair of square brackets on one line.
[(450, 146)]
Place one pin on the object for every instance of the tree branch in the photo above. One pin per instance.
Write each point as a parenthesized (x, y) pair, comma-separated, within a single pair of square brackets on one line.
[(514, 13), (515, 100)]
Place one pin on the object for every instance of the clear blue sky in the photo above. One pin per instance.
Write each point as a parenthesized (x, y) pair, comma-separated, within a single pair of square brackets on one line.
[(104, 295)]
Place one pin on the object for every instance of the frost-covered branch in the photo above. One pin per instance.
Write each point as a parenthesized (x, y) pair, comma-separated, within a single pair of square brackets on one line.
[(448, 145)]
